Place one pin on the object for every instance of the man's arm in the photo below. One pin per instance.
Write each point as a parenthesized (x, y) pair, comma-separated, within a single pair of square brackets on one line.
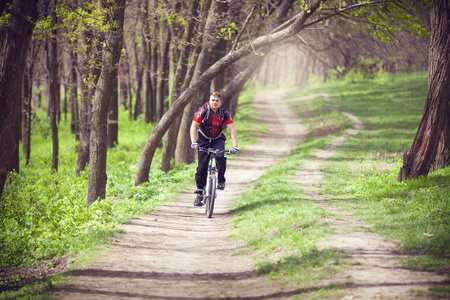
[(232, 131), (193, 131)]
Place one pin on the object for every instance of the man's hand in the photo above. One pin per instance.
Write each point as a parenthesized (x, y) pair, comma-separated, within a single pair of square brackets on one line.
[(234, 150), (194, 146)]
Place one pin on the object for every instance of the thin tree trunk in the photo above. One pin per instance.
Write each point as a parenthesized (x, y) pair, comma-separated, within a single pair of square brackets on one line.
[(163, 73), (26, 113), (105, 85), (123, 85), (154, 81), (148, 86), (113, 123), (139, 73), (73, 87), (53, 93)]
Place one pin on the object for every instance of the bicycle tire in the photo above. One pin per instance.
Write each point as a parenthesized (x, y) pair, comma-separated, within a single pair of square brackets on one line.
[(212, 195)]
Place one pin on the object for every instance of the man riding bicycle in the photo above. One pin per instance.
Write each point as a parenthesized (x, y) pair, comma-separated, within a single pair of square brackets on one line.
[(206, 132)]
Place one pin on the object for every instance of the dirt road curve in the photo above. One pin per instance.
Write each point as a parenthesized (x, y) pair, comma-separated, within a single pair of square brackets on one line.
[(176, 252)]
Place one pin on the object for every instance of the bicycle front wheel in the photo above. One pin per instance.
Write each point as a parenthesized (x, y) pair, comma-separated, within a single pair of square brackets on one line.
[(212, 195)]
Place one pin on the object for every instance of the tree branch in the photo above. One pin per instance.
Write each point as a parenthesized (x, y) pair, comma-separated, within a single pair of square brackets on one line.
[(243, 27)]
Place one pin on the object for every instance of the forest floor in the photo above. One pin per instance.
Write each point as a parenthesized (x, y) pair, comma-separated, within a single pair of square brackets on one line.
[(178, 253)]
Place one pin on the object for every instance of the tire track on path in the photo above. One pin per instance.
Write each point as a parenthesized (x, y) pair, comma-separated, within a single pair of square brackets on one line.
[(176, 252)]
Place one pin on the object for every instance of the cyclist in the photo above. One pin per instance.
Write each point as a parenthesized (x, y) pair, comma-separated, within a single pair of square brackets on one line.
[(206, 132)]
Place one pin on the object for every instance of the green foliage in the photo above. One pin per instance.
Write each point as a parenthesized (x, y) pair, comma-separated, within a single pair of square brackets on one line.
[(44, 214), (384, 21), (227, 31), (5, 17)]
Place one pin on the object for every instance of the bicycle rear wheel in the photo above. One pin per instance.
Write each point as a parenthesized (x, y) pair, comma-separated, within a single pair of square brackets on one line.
[(212, 195)]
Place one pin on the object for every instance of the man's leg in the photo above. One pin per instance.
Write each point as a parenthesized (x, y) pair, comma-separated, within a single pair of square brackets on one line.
[(202, 172), (222, 162)]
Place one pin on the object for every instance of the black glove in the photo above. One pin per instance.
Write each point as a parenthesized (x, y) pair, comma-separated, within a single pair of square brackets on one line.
[(194, 146), (234, 150)]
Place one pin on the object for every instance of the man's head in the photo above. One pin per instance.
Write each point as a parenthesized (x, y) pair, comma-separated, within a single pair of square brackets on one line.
[(215, 100)]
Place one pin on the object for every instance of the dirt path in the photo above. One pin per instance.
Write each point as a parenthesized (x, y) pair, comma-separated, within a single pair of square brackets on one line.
[(176, 252), (375, 272)]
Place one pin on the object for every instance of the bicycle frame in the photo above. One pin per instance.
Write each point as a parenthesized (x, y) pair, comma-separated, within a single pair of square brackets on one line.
[(210, 191)]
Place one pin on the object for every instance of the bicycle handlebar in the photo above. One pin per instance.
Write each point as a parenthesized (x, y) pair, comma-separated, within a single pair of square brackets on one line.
[(214, 151)]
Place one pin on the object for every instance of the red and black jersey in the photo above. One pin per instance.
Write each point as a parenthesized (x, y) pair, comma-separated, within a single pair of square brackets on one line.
[(211, 124)]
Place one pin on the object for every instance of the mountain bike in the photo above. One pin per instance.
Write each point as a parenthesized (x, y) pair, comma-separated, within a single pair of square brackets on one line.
[(210, 191)]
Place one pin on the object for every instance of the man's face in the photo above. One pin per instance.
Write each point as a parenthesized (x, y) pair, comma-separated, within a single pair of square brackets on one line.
[(215, 103)]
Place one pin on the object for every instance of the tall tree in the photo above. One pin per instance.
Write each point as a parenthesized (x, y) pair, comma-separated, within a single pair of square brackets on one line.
[(115, 10), (52, 82), (431, 146), (24, 14)]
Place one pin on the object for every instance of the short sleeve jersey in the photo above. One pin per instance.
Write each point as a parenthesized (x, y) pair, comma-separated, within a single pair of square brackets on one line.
[(211, 124)]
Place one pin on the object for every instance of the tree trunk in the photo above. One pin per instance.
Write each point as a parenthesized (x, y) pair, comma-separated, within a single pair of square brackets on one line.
[(431, 147), (113, 123), (123, 70), (180, 75), (15, 164), (26, 113), (52, 65), (24, 15), (148, 86), (139, 73), (163, 72), (85, 107), (105, 86), (74, 121), (293, 27)]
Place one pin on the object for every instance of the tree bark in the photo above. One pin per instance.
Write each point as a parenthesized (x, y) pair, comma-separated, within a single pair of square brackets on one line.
[(148, 87), (139, 73), (26, 112), (163, 72), (73, 88), (113, 114), (85, 110), (294, 27), (105, 86), (52, 65), (431, 146), (24, 14), (123, 70)]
